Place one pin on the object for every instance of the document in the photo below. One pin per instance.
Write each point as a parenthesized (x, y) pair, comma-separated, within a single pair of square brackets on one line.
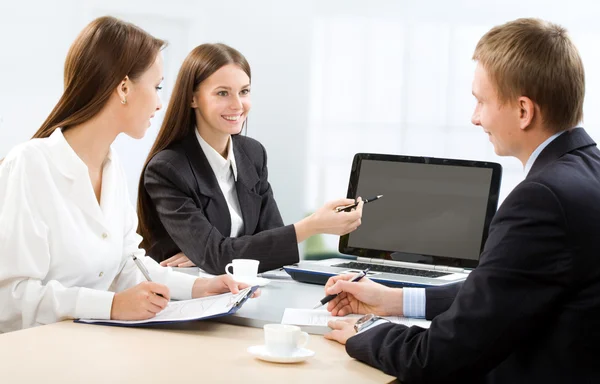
[(320, 318), (188, 310)]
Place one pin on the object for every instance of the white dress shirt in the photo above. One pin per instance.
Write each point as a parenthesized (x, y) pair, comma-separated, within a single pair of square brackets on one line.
[(226, 172), (414, 298), (63, 255)]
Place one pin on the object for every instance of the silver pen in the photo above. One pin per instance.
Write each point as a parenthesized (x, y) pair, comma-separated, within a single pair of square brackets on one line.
[(143, 269)]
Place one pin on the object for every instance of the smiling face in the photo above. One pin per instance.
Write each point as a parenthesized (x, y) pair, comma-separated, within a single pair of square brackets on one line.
[(222, 103), (501, 121), (142, 100)]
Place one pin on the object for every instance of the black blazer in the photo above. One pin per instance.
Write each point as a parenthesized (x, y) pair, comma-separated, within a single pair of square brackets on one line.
[(530, 312), (191, 214)]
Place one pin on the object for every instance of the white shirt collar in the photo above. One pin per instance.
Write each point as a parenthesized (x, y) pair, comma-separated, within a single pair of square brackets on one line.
[(67, 161), (538, 150), (219, 165)]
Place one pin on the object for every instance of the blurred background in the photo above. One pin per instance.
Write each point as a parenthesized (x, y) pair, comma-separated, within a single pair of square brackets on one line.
[(329, 78)]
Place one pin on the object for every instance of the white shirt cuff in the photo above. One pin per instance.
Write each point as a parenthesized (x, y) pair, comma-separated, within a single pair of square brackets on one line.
[(414, 302), (179, 284), (93, 304)]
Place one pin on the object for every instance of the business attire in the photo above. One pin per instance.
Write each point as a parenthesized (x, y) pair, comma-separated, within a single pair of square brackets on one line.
[(63, 255), (530, 312), (197, 196)]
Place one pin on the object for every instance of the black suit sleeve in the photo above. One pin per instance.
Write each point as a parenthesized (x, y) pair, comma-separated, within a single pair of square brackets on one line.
[(525, 271), (439, 299), (200, 241)]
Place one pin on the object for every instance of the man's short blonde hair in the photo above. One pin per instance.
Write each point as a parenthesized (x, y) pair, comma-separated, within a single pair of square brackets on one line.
[(536, 59)]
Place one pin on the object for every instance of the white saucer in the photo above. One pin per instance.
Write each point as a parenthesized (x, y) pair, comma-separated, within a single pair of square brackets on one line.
[(260, 281), (260, 352)]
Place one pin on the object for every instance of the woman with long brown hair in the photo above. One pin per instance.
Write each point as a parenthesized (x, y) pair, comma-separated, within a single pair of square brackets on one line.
[(67, 228), (204, 195)]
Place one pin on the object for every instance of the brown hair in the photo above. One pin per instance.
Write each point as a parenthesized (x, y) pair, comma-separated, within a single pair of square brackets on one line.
[(104, 53), (180, 119), (536, 59)]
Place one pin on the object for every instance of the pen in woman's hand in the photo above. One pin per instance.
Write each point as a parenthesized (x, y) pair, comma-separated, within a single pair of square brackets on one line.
[(328, 298), (346, 208), (144, 271)]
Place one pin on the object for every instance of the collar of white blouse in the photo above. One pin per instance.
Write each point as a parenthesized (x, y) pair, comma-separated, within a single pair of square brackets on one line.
[(79, 187)]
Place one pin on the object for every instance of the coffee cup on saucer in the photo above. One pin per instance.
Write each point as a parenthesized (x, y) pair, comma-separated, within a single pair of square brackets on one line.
[(245, 271), (283, 344)]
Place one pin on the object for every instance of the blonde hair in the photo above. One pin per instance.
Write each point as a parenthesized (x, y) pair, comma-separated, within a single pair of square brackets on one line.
[(536, 59)]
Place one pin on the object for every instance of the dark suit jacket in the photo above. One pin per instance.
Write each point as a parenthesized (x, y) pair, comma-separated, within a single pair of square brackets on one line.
[(193, 216), (530, 312)]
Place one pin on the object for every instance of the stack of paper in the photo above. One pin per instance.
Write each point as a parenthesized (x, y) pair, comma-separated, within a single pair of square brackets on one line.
[(315, 320)]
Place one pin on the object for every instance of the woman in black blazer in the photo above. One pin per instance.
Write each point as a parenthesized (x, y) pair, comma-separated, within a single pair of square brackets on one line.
[(204, 195)]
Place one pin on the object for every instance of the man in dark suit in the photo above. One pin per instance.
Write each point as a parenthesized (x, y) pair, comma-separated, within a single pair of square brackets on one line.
[(530, 312)]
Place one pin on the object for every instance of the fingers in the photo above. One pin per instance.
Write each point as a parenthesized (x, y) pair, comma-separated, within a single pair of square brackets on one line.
[(344, 285), (337, 324), (153, 308), (188, 263), (157, 288), (332, 305), (342, 307), (177, 261), (339, 203), (332, 280), (158, 301), (342, 330), (172, 259), (231, 284)]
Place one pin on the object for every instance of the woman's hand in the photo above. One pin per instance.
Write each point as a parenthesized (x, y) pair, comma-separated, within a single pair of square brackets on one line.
[(329, 221), (140, 302), (179, 260), (220, 284)]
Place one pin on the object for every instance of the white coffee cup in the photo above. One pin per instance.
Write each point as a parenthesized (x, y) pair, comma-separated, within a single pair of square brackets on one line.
[(283, 339), (243, 268)]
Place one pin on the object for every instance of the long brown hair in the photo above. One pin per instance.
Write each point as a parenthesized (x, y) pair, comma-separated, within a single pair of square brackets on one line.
[(180, 119), (104, 53)]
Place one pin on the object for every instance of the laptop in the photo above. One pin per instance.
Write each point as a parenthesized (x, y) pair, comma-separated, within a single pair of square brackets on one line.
[(428, 228)]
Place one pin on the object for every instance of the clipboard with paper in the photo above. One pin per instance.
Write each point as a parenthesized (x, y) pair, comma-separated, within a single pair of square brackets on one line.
[(188, 310)]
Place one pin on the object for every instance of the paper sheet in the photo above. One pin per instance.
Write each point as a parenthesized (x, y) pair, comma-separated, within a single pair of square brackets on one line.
[(183, 310), (320, 317)]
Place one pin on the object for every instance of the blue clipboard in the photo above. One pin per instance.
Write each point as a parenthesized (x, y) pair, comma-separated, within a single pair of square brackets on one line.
[(234, 303)]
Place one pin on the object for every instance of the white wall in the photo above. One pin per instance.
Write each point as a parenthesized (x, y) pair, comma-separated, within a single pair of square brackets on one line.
[(426, 45)]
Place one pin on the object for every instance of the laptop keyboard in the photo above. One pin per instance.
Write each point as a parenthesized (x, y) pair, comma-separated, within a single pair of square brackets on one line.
[(390, 269)]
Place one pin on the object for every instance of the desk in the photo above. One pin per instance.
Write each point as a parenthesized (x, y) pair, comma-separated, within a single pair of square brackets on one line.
[(198, 352)]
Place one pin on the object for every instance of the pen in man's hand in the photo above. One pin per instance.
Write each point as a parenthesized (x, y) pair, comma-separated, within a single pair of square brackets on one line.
[(144, 271), (328, 298), (349, 207)]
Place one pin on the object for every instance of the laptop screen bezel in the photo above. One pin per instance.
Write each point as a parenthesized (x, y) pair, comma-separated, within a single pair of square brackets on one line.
[(492, 205)]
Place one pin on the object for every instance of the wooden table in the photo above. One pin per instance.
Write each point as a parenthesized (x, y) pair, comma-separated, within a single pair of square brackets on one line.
[(198, 352)]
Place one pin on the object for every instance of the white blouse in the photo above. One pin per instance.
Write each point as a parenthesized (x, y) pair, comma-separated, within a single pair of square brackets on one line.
[(63, 255), (225, 171)]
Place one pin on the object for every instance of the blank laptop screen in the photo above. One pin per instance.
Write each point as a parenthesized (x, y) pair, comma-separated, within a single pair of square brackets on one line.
[(426, 209)]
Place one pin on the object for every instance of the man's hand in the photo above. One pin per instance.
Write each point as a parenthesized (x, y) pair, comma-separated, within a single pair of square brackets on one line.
[(217, 285), (362, 297), (342, 330)]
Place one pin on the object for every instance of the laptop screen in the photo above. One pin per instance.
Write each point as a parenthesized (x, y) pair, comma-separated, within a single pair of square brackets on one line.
[(434, 211)]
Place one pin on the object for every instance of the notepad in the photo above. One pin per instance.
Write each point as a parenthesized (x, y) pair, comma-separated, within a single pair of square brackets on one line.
[(320, 318), (188, 310)]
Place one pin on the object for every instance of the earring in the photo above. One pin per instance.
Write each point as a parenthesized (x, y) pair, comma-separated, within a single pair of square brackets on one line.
[(124, 101)]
